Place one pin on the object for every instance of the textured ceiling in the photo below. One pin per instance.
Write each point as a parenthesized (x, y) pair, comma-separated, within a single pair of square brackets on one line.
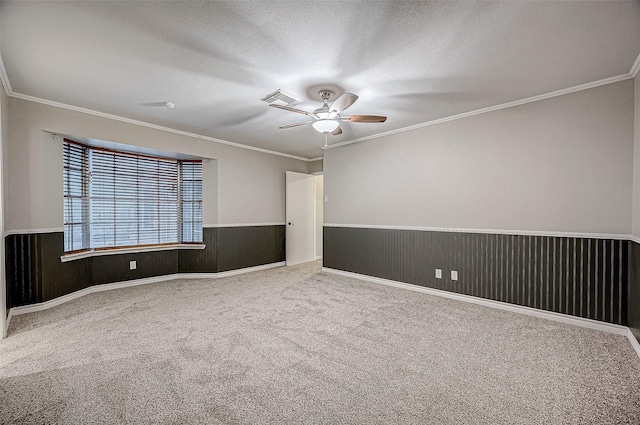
[(412, 61)]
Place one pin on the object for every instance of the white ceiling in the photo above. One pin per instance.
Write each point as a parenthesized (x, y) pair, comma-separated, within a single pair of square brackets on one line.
[(412, 61)]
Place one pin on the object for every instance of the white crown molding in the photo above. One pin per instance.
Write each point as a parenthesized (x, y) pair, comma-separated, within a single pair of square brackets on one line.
[(6, 84), (557, 317), (149, 125), (634, 239), (15, 311), (519, 102), (635, 67), (615, 236), (631, 74), (209, 226)]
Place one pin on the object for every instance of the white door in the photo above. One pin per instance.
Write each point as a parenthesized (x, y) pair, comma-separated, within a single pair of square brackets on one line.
[(300, 210)]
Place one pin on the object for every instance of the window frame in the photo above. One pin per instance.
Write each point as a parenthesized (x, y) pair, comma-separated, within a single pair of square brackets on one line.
[(85, 223), (86, 205)]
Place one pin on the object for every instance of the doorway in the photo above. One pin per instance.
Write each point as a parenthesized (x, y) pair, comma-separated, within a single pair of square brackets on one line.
[(304, 217)]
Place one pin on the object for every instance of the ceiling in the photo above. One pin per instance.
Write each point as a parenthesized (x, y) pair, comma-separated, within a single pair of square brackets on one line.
[(412, 61)]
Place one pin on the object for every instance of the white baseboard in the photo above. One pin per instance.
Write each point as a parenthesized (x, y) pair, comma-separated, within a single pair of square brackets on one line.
[(558, 317), (634, 342), (15, 311), (31, 308), (319, 257), (6, 324), (228, 273)]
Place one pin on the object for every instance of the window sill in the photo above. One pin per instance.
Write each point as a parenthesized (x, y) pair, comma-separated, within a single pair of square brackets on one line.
[(84, 254)]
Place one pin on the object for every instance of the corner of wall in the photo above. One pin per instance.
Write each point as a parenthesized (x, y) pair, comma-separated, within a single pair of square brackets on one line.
[(3, 127), (315, 166), (635, 225), (4, 109), (633, 296)]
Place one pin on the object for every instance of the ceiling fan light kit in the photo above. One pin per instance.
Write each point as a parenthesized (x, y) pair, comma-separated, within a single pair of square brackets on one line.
[(325, 125), (326, 119)]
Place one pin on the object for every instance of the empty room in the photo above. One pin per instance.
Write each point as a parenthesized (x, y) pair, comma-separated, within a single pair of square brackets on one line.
[(337, 212)]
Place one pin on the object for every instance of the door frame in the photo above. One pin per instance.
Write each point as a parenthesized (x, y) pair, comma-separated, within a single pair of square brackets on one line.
[(308, 206)]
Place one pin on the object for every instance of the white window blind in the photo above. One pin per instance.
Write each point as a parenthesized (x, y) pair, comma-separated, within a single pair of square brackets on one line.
[(191, 197), (135, 200), (76, 205)]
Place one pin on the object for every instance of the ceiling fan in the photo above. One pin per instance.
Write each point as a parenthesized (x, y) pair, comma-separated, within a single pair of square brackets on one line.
[(327, 118)]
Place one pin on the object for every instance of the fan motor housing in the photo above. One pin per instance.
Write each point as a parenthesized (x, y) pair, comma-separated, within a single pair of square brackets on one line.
[(325, 94)]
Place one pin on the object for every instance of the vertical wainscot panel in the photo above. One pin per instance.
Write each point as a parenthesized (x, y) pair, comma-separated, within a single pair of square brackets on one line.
[(577, 276), (633, 303), (23, 274), (249, 246), (201, 260)]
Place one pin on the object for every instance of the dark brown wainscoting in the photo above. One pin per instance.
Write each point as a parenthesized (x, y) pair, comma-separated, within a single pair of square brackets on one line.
[(32, 259), (583, 277), (60, 278), (201, 260), (241, 247), (23, 270), (35, 273), (633, 301), (115, 268)]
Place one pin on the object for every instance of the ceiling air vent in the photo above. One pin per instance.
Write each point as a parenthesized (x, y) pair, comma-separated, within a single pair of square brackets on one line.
[(280, 98)]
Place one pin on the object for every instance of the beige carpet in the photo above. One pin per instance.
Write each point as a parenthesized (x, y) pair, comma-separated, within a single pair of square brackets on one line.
[(294, 345)]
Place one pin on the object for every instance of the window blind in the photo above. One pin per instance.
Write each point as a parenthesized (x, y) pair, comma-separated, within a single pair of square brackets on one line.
[(76, 202), (129, 200), (133, 200), (191, 197)]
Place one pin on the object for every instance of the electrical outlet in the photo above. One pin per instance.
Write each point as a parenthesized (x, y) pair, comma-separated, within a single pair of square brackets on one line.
[(132, 265), (454, 275), (438, 273)]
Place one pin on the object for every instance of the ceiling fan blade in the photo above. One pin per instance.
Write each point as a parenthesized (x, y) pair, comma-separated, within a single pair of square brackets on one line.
[(289, 108), (337, 131), (343, 102), (364, 118), (296, 124)]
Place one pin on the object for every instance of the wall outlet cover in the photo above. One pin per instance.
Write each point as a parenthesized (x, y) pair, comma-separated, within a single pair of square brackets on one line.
[(454, 275), (438, 273), (132, 265)]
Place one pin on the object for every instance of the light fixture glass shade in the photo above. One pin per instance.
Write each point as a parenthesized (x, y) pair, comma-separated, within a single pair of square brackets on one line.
[(325, 126)]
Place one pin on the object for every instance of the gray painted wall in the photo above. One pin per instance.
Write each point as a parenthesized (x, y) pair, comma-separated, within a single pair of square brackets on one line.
[(562, 164), (315, 166), (319, 184), (250, 184)]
